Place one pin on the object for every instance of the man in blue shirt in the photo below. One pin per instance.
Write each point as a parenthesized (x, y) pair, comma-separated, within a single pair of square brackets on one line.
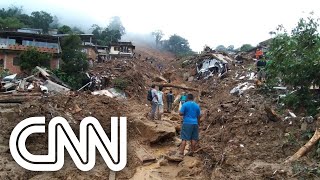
[(190, 111)]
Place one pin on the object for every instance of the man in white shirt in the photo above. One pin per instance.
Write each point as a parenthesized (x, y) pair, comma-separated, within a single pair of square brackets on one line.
[(160, 102)]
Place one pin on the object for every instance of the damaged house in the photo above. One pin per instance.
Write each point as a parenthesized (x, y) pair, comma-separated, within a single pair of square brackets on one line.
[(121, 49), (103, 53), (12, 43), (88, 44), (217, 64)]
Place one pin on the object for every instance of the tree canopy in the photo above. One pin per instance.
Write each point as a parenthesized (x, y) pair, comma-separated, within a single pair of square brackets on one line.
[(31, 58), (177, 45), (295, 61), (105, 36), (41, 20), (116, 25), (246, 47), (64, 30), (158, 34)]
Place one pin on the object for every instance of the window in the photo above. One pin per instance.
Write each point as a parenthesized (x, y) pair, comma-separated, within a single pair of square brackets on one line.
[(16, 61), (1, 63)]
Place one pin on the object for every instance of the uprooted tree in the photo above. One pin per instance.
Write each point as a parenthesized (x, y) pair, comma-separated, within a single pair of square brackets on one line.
[(295, 61)]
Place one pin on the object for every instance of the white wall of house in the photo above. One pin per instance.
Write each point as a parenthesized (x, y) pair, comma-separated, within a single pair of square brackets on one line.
[(113, 51)]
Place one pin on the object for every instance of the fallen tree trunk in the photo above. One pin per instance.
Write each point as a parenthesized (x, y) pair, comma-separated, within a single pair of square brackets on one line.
[(305, 148), (177, 86), (17, 99)]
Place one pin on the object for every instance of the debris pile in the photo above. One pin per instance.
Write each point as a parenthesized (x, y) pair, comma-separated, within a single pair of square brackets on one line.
[(41, 81)]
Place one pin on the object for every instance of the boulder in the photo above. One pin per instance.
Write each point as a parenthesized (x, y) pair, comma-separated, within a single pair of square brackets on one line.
[(190, 162), (154, 132)]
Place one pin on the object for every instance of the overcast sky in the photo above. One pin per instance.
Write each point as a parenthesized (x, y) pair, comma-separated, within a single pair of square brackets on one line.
[(211, 22)]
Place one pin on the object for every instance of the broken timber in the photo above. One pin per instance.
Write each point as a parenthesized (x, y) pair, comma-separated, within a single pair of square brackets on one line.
[(144, 156), (17, 99), (177, 86), (305, 148)]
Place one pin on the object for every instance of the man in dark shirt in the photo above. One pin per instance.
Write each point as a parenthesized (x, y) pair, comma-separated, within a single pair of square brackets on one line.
[(261, 65), (170, 99)]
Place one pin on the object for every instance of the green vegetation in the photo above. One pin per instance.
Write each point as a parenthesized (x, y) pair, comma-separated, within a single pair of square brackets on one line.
[(177, 45), (13, 17), (246, 47), (120, 83), (296, 62), (64, 30), (74, 63), (111, 33), (31, 58), (158, 34)]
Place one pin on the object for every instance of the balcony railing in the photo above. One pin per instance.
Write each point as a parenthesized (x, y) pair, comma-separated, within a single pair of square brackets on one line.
[(18, 47)]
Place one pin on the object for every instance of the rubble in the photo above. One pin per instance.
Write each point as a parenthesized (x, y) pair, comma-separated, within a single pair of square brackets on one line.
[(42, 81), (111, 92), (240, 88), (217, 65)]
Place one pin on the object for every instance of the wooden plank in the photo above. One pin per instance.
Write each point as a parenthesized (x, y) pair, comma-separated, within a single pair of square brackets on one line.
[(144, 156), (112, 175), (176, 86)]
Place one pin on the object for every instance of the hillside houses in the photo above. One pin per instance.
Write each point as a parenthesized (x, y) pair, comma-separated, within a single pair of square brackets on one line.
[(14, 42)]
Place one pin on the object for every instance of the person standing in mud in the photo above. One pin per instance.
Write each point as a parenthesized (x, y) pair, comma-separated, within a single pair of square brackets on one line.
[(170, 99), (190, 111), (154, 101), (160, 102)]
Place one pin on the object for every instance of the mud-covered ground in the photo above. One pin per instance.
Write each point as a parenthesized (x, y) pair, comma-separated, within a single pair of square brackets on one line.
[(237, 139)]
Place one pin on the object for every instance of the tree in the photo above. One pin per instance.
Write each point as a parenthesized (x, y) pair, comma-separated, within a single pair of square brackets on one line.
[(105, 36), (246, 47), (12, 11), (10, 22), (26, 20), (158, 34), (295, 61), (116, 24), (31, 58), (221, 48), (55, 22), (77, 30), (17, 14), (42, 20), (178, 45), (74, 62), (64, 30), (230, 48)]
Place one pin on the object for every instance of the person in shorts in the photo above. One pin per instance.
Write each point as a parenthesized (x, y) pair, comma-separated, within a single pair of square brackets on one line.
[(190, 111)]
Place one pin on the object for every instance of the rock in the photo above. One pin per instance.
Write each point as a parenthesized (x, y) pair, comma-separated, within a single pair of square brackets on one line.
[(308, 119), (186, 76), (163, 162), (190, 162), (191, 78), (153, 132), (175, 158), (4, 148), (304, 126), (177, 141), (272, 115), (217, 174)]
